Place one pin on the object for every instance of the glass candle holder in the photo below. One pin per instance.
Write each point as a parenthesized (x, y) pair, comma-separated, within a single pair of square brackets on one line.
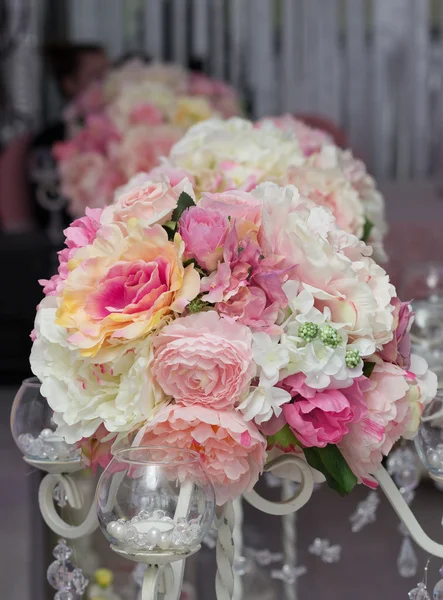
[(429, 439), (33, 428), (155, 500)]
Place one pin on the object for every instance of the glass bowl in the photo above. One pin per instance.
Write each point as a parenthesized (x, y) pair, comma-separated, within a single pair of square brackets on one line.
[(155, 500), (33, 428), (429, 439)]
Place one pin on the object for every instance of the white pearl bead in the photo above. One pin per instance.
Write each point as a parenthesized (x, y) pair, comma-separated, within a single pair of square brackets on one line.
[(117, 530), (46, 433), (434, 459), (164, 542), (153, 535)]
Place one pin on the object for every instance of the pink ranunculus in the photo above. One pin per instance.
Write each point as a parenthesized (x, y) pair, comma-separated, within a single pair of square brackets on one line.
[(204, 233), (391, 408), (232, 450), (145, 114), (236, 204), (398, 350), (203, 359), (142, 198), (79, 234), (246, 287), (325, 417), (96, 450)]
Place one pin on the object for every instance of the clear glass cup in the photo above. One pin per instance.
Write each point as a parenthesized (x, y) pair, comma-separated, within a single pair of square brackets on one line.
[(429, 439), (33, 428), (155, 500)]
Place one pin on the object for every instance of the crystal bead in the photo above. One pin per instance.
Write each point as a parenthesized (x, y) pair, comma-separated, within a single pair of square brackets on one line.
[(79, 581), (438, 590), (64, 595), (239, 565), (62, 551), (408, 477), (366, 512), (265, 557), (131, 534), (59, 574), (144, 514), (318, 546), (419, 593), (38, 448), (332, 554), (26, 443), (288, 574), (407, 559), (441, 571), (51, 452), (159, 514), (59, 495)]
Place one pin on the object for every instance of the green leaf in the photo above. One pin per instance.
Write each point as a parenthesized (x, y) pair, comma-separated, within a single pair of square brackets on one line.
[(367, 228), (283, 439), (330, 462), (170, 228), (184, 201), (368, 367)]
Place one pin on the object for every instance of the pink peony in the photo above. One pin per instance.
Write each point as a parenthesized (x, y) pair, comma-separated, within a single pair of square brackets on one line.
[(324, 417), (203, 359), (80, 233), (142, 198), (398, 350), (232, 450), (204, 233), (390, 411), (236, 204), (247, 287)]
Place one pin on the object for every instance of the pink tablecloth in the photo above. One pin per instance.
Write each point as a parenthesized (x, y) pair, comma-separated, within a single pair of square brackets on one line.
[(415, 215)]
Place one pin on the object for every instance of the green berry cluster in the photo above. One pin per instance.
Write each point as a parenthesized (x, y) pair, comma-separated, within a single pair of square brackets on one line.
[(308, 331), (329, 336), (352, 358)]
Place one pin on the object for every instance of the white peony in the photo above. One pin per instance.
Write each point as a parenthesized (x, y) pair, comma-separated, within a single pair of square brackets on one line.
[(85, 393)]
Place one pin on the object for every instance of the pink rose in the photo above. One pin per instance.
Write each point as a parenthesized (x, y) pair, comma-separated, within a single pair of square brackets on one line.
[(204, 233), (203, 359), (324, 417), (236, 204), (232, 450), (390, 411), (142, 198)]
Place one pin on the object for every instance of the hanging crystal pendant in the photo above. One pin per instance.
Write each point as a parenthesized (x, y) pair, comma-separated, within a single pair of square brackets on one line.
[(407, 561), (438, 590), (63, 576), (366, 512), (419, 593)]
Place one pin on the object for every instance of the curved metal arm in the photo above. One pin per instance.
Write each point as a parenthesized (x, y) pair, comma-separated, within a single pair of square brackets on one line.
[(151, 583), (290, 505), (406, 515), (50, 515)]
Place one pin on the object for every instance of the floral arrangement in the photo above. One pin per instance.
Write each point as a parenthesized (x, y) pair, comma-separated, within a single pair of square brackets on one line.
[(125, 124), (239, 324), (236, 154)]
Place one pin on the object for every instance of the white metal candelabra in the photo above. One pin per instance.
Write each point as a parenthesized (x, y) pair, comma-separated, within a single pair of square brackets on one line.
[(164, 575)]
